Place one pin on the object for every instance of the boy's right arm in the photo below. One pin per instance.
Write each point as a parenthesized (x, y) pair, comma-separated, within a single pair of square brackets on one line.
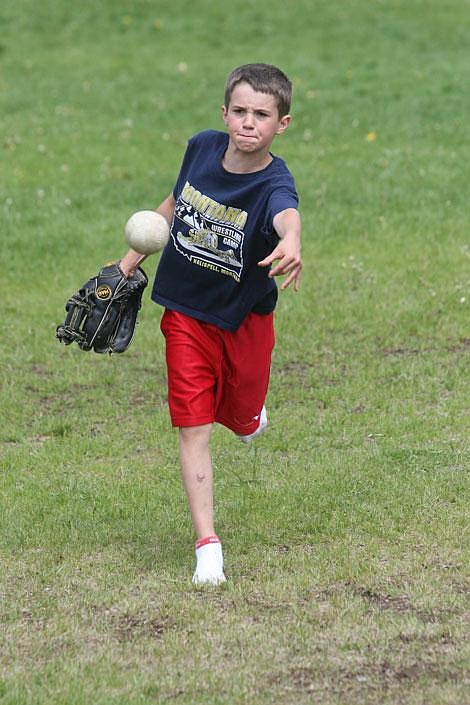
[(133, 259)]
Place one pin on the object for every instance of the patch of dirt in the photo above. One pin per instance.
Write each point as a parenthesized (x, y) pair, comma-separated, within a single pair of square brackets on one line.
[(67, 398), (359, 409), (259, 601), (298, 368), (130, 626), (304, 678), (441, 640), (462, 346), (372, 678), (41, 370), (149, 397), (399, 604), (387, 674), (399, 352)]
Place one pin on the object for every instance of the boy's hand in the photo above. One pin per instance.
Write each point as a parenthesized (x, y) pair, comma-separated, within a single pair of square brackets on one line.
[(287, 225), (290, 264), (130, 262)]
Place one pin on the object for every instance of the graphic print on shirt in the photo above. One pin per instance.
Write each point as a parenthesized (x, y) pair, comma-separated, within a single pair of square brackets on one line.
[(209, 233)]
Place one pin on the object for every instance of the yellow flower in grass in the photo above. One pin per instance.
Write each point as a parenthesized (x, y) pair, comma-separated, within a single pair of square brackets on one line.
[(371, 136)]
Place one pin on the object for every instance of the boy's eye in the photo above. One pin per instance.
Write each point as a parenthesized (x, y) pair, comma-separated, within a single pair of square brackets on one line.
[(258, 113)]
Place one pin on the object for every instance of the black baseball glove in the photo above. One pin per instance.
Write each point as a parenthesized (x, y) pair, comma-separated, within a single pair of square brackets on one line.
[(103, 313)]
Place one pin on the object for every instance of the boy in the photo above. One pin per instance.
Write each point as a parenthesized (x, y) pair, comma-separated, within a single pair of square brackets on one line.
[(233, 213)]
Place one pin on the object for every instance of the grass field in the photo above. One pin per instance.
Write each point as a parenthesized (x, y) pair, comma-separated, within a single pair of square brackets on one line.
[(345, 528)]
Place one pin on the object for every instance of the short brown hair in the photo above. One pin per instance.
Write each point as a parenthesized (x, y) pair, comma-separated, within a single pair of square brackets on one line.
[(263, 78)]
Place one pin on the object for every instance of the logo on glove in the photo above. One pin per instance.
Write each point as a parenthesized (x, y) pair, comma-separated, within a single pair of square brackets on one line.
[(104, 292)]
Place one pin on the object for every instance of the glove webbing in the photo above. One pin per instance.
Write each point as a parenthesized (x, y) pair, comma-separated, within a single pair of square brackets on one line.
[(78, 309)]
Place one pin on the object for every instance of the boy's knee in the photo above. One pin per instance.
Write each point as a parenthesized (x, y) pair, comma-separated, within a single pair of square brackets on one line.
[(195, 434)]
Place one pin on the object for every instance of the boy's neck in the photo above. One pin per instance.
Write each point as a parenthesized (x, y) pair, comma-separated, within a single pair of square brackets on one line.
[(237, 162)]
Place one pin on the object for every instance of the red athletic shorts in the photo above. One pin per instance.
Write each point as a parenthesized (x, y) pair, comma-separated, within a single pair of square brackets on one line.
[(215, 374)]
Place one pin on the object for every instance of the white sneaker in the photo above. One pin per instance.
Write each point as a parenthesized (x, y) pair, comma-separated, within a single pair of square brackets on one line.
[(209, 564), (263, 422)]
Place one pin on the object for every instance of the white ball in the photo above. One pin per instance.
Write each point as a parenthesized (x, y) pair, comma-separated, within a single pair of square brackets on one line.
[(147, 232)]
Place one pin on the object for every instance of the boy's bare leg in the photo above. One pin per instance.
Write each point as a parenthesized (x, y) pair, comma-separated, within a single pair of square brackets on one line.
[(196, 471)]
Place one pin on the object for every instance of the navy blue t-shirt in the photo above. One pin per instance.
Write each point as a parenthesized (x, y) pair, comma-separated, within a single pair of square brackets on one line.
[(222, 227)]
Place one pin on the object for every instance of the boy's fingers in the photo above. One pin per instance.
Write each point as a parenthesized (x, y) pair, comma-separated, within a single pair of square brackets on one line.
[(280, 268), (283, 266), (290, 266), (266, 261), (293, 277)]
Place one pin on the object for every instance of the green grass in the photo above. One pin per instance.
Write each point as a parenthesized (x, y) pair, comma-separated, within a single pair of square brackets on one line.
[(345, 528)]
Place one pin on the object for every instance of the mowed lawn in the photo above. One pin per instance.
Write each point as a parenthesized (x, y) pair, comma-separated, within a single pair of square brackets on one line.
[(345, 527)]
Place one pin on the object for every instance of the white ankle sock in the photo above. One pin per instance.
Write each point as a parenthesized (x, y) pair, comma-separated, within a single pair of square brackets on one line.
[(209, 562)]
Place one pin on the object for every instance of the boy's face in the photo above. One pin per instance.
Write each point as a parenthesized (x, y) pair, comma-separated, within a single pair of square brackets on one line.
[(252, 119)]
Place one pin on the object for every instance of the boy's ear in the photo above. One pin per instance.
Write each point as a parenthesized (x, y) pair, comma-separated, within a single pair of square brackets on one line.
[(284, 123), (224, 113)]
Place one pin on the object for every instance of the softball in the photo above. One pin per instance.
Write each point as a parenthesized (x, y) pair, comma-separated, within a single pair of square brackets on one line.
[(147, 232)]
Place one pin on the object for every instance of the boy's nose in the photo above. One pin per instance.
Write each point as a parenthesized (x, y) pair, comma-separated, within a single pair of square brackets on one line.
[(249, 120)]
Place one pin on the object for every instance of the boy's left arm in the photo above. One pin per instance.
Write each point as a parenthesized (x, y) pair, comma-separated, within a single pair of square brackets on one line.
[(288, 227)]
